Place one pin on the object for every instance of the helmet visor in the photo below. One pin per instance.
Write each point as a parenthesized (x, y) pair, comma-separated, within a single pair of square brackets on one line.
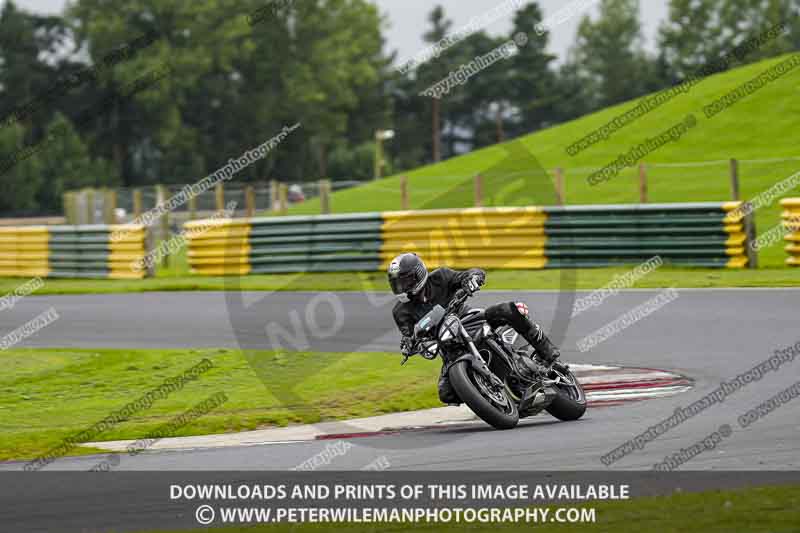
[(403, 283)]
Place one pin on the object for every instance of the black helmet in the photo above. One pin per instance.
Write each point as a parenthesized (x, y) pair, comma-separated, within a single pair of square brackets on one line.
[(407, 275)]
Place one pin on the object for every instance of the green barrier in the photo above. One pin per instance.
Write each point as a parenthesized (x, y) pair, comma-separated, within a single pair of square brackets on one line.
[(69, 257), (315, 244), (698, 234), (285, 244)]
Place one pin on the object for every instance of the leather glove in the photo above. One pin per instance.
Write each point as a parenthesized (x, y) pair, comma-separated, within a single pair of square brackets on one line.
[(473, 283), (407, 346)]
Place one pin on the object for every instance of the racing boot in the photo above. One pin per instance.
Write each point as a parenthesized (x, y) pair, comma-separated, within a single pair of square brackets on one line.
[(546, 351)]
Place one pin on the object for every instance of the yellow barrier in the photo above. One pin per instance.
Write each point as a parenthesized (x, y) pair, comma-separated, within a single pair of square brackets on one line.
[(126, 249), (791, 221), (733, 224), (218, 247), (505, 237), (24, 251)]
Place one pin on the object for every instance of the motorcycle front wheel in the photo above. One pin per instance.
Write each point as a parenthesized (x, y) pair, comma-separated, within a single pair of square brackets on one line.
[(493, 406)]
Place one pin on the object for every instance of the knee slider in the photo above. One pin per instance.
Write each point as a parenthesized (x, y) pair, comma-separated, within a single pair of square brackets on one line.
[(519, 316)]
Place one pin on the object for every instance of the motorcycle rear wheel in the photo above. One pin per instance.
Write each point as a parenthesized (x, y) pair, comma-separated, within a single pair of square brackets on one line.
[(570, 404), (498, 414)]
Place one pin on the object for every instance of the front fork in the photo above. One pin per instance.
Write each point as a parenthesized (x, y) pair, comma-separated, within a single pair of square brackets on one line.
[(476, 361)]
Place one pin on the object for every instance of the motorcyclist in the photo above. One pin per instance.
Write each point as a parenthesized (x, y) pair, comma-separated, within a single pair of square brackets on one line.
[(419, 291)]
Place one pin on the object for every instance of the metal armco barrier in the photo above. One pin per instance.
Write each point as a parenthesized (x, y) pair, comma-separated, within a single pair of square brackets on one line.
[(72, 251), (791, 222), (323, 243), (698, 234)]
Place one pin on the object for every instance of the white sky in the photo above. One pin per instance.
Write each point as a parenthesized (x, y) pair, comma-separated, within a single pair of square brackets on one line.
[(408, 19)]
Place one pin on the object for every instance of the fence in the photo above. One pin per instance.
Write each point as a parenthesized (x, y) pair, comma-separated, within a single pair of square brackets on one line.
[(791, 222), (731, 179), (123, 205), (72, 251), (113, 206), (32, 221), (700, 234)]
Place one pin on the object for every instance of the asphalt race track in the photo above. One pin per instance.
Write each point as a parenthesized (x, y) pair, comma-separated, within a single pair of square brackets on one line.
[(708, 335)]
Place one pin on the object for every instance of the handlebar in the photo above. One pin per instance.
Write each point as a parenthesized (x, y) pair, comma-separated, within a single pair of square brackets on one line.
[(458, 300)]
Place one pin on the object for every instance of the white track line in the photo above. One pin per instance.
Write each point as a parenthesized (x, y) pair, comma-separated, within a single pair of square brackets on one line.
[(627, 394)]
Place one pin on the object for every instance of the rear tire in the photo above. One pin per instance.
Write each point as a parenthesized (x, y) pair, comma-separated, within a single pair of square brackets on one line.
[(565, 408), (570, 404), (460, 378)]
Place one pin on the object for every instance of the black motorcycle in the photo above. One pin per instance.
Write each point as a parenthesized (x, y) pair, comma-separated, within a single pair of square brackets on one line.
[(488, 372)]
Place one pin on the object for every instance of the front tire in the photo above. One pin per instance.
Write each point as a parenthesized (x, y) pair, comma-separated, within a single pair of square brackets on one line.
[(463, 378)]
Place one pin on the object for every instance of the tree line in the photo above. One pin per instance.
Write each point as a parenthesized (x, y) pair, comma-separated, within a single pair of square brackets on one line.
[(238, 71)]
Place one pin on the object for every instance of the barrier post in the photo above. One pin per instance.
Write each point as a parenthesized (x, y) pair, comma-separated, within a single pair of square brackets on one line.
[(735, 180), (325, 196), (137, 203), (249, 201), (642, 183), (273, 194), (283, 198), (89, 193), (404, 193), (161, 198), (192, 207), (68, 199), (110, 206), (77, 203), (219, 196), (478, 191), (559, 186), (149, 246), (65, 206)]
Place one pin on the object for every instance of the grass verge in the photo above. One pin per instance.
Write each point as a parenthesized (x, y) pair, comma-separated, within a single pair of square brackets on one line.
[(754, 510), (47, 395)]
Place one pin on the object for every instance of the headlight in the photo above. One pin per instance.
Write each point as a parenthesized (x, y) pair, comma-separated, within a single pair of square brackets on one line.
[(430, 350), (449, 328)]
